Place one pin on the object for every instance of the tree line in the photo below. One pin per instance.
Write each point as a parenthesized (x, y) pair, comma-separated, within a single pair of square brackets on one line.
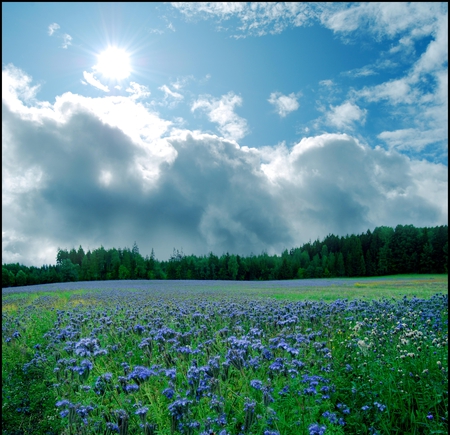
[(385, 251)]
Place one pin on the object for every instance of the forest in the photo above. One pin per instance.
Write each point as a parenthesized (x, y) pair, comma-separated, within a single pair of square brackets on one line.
[(384, 251)]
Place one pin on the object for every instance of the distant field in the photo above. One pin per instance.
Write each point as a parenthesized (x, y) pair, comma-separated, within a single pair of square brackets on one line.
[(397, 286)]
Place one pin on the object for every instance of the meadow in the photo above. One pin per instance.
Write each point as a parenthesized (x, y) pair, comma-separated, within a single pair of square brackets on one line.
[(324, 356)]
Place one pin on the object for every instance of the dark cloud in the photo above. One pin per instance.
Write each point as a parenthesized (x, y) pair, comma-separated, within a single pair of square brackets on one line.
[(75, 174)]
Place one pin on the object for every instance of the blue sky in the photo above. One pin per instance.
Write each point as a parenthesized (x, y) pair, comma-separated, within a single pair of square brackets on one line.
[(219, 127)]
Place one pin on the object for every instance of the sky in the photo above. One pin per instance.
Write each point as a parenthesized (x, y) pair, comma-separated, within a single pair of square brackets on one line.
[(219, 127)]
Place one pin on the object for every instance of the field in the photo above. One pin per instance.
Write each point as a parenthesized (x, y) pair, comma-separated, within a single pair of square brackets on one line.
[(328, 356)]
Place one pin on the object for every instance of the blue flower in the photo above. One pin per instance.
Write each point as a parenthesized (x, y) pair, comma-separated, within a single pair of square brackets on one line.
[(315, 429), (257, 384), (169, 393), (379, 406), (142, 412)]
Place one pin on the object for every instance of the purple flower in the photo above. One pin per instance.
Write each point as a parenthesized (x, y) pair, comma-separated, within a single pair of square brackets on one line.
[(169, 393), (257, 384), (315, 429), (142, 412), (130, 388), (379, 406), (141, 373)]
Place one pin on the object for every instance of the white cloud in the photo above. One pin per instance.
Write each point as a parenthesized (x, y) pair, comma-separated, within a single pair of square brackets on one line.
[(382, 19), (231, 126), (436, 54), (346, 115), (255, 18), (157, 31), (89, 77), (170, 93), (67, 40), (326, 83), (52, 28), (171, 98), (137, 91), (284, 104), (395, 91), (388, 19), (413, 138), (365, 71), (101, 170)]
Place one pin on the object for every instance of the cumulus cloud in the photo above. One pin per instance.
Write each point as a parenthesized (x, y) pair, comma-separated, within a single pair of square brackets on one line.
[(284, 104), (110, 171), (90, 78), (52, 28), (346, 115), (221, 111)]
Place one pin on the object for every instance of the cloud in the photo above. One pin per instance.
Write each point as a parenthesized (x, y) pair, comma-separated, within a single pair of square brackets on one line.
[(346, 115), (326, 83), (89, 77), (109, 171), (413, 138), (52, 28), (67, 40), (255, 19), (171, 98), (384, 20), (231, 126), (284, 104), (420, 97), (137, 91)]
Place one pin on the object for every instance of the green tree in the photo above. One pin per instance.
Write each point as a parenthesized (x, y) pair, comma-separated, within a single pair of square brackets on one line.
[(233, 267), (340, 267), (332, 264), (124, 273), (61, 255), (8, 278), (384, 260), (426, 259), (69, 271), (21, 278), (284, 272)]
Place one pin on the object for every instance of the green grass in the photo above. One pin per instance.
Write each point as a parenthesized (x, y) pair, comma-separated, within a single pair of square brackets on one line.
[(392, 352)]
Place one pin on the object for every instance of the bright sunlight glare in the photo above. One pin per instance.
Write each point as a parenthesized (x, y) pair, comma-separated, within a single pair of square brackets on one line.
[(114, 63)]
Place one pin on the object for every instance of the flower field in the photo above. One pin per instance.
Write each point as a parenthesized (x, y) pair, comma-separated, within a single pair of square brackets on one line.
[(184, 357)]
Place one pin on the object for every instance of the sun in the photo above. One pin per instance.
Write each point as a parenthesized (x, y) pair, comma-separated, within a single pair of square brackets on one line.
[(114, 63)]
